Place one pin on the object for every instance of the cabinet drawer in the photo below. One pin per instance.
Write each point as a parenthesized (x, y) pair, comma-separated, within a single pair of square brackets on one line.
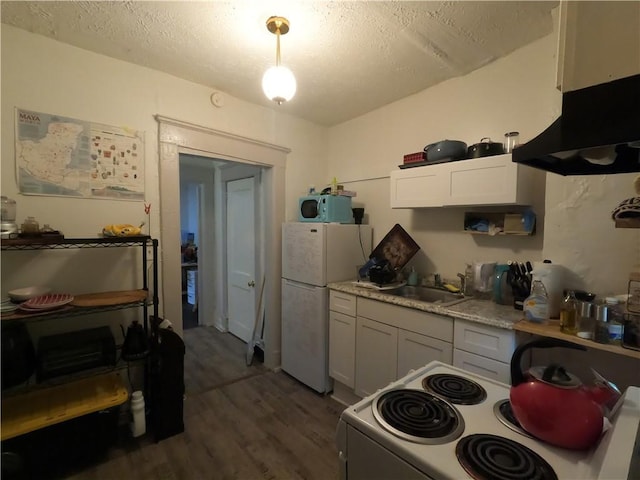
[(342, 302), (424, 323), (490, 342), (482, 366)]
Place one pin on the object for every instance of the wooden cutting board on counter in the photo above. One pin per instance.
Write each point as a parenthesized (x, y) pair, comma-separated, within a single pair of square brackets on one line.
[(104, 299)]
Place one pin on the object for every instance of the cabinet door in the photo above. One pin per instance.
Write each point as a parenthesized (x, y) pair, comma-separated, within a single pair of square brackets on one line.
[(492, 180), (598, 43), (415, 350), (376, 356), (484, 366), (342, 348), (418, 186)]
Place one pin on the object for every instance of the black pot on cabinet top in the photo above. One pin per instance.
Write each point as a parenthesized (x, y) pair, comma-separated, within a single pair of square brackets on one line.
[(485, 148), (445, 150)]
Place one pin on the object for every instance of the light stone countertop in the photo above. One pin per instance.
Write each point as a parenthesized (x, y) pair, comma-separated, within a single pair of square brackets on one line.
[(474, 310)]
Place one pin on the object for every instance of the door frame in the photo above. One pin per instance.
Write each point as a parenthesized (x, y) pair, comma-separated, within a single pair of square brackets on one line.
[(177, 136)]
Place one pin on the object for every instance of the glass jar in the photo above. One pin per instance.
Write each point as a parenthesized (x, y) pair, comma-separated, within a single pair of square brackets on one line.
[(586, 320), (30, 225), (511, 140), (569, 314), (8, 209), (601, 324), (616, 319)]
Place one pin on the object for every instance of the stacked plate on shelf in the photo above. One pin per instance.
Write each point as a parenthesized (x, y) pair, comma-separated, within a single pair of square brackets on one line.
[(46, 302), (7, 306)]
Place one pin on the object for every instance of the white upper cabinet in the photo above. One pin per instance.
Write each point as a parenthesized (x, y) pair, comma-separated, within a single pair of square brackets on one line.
[(494, 180), (598, 42)]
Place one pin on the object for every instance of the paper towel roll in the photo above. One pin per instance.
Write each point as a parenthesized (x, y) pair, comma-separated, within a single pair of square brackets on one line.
[(552, 277)]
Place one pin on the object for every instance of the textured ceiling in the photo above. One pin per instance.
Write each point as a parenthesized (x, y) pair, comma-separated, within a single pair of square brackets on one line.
[(348, 57)]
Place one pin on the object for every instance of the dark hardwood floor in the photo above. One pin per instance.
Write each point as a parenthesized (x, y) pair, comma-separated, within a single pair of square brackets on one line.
[(241, 422)]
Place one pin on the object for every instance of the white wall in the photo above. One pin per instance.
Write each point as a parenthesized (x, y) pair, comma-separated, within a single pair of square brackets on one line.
[(514, 93), (48, 76)]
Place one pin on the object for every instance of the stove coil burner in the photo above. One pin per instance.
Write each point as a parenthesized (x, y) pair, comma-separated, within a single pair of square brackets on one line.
[(503, 411), (456, 389), (489, 457), (417, 416)]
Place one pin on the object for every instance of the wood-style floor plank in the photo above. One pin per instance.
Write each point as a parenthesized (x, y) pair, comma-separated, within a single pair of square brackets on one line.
[(241, 422)]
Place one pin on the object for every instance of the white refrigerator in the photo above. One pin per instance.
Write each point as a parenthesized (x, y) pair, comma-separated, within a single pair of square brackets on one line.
[(313, 255)]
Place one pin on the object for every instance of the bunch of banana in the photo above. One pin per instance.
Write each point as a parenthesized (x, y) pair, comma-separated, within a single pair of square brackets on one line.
[(122, 230)]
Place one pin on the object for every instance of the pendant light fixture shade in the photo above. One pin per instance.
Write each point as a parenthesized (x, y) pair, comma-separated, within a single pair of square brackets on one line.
[(278, 83)]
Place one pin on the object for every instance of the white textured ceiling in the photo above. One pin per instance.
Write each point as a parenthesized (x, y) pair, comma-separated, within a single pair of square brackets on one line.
[(348, 57)]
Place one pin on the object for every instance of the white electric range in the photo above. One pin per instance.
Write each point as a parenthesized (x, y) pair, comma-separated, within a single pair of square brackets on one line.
[(396, 434)]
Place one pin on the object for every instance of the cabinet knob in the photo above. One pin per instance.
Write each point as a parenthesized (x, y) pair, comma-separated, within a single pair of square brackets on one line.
[(251, 283)]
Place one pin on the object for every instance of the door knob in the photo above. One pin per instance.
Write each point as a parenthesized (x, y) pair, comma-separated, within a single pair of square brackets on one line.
[(251, 283)]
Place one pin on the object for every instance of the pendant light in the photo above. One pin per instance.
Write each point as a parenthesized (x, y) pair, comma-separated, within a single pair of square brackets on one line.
[(278, 83)]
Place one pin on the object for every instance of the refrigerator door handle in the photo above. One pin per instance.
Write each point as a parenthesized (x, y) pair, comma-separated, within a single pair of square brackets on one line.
[(305, 286)]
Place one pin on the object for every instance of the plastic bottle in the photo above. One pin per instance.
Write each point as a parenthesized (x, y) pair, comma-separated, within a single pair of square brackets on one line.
[(569, 314), (139, 424), (536, 305), (334, 186)]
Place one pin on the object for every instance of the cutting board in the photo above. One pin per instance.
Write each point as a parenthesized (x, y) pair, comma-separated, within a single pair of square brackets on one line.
[(104, 299)]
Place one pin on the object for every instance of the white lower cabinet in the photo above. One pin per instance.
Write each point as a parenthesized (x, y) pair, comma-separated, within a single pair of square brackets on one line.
[(484, 349), (391, 340), (342, 348), (373, 343), (376, 355), (415, 350)]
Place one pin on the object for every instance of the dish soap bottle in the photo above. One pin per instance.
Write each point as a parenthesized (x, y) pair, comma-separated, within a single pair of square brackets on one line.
[(536, 305), (413, 278)]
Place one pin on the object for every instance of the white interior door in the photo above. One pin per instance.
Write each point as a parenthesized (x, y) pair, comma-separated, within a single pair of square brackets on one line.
[(241, 263)]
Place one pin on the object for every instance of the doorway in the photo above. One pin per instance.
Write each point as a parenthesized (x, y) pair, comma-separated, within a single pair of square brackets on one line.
[(178, 137), (220, 202)]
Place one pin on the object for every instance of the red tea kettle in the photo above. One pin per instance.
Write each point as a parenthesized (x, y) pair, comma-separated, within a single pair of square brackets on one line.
[(554, 405)]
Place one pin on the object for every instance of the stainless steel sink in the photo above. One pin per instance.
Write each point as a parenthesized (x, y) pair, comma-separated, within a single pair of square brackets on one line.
[(430, 295)]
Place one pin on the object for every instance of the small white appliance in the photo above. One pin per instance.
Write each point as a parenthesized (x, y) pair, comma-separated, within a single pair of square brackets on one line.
[(441, 422), (313, 255)]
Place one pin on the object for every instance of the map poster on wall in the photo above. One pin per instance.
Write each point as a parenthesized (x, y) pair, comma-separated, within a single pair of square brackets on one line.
[(67, 157)]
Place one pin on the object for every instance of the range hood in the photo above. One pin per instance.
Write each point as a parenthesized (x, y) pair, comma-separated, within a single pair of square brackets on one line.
[(597, 133)]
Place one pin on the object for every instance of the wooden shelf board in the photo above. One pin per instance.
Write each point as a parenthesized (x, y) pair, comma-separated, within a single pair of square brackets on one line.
[(553, 330), (519, 234)]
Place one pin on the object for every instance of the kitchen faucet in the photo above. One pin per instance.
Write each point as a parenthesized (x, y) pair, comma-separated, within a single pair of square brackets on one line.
[(463, 283)]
